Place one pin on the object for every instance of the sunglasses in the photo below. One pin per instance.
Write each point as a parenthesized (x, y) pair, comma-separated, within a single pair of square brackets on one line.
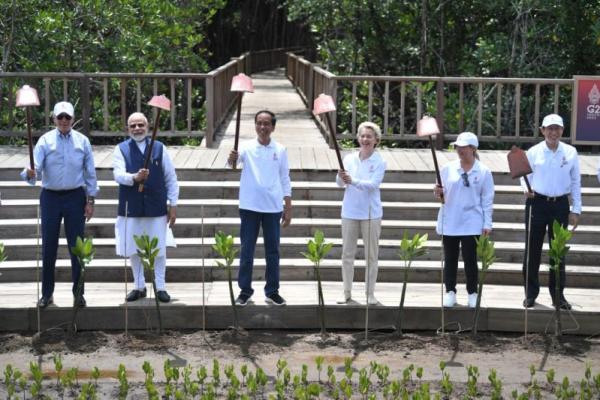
[(140, 125), (465, 179), (64, 116)]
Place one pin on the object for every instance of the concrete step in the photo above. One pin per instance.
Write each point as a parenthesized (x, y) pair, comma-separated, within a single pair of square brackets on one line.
[(293, 269), (195, 305), (391, 229), (301, 190), (229, 208), (324, 175), (290, 247)]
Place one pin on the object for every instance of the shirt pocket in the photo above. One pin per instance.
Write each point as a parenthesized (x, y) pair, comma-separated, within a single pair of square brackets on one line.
[(75, 158)]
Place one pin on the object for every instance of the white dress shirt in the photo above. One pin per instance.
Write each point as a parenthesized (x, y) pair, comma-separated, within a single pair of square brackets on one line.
[(127, 227), (467, 209), (362, 198), (265, 179), (555, 173)]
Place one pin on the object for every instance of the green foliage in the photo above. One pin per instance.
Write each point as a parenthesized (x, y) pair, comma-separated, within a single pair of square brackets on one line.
[(224, 247), (123, 383), (486, 253), (147, 251), (3, 255), (317, 249), (409, 250), (557, 253)]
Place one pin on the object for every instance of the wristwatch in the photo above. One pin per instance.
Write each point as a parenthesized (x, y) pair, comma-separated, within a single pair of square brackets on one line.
[(91, 201)]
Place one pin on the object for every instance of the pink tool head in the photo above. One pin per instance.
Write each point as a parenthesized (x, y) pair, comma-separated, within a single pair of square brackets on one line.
[(518, 164), (323, 104), (27, 96), (427, 126), (242, 83), (160, 102)]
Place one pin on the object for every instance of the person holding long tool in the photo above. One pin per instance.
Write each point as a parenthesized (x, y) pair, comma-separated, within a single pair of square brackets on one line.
[(361, 209), (265, 200), (151, 212), (63, 158), (555, 177), (468, 190)]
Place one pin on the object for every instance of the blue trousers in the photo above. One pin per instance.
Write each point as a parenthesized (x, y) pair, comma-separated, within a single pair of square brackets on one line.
[(250, 226), (56, 206)]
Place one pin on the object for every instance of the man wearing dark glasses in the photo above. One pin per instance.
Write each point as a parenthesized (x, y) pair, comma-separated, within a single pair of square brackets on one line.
[(63, 159), (151, 212)]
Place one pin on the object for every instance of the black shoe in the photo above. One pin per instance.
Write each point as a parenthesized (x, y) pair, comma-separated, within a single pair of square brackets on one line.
[(80, 301), (136, 294), (163, 296), (528, 303), (564, 305), (275, 299), (242, 300), (44, 301)]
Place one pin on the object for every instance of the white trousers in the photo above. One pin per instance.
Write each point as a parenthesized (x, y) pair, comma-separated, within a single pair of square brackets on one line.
[(370, 231), (139, 281)]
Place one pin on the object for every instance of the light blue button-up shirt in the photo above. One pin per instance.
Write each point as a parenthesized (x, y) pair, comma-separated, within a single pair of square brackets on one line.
[(64, 162)]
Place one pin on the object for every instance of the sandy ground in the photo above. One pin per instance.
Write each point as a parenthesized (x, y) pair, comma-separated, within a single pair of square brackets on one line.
[(510, 355)]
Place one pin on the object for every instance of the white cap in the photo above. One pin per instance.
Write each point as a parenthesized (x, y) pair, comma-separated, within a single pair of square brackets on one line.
[(552, 119), (466, 139), (64, 107)]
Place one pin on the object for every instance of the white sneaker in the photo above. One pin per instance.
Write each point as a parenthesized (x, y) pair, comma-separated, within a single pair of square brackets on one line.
[(450, 299), (472, 300), (346, 297), (372, 300)]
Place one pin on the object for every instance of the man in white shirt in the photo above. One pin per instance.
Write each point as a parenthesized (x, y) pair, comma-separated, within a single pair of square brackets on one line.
[(555, 177), (264, 187), (151, 212)]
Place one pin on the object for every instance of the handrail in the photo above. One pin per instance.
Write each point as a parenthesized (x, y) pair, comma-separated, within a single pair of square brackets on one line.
[(200, 101), (496, 109)]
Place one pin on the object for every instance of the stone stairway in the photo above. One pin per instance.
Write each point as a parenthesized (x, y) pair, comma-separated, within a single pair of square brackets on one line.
[(208, 204)]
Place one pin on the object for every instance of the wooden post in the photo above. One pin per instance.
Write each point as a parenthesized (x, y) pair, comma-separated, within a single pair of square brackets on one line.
[(85, 106), (439, 139), (209, 107)]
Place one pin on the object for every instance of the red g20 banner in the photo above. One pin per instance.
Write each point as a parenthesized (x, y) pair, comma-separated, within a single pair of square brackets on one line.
[(585, 128)]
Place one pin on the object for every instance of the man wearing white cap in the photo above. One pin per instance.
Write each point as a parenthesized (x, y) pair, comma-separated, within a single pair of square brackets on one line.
[(555, 177), (64, 160), (468, 189), (149, 212)]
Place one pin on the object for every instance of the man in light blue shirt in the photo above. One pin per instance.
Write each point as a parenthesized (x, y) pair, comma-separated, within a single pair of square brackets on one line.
[(64, 160)]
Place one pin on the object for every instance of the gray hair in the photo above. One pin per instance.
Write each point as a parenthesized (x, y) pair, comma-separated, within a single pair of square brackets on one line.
[(369, 125), (137, 115)]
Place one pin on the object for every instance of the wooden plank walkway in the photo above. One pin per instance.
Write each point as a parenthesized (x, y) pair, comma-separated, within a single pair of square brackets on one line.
[(272, 91), (301, 158)]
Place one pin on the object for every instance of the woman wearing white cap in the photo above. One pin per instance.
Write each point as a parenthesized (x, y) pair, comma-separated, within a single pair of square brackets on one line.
[(361, 209), (468, 189)]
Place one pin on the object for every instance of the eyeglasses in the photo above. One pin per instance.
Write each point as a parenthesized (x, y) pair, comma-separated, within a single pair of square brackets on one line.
[(64, 116), (465, 179), (140, 125)]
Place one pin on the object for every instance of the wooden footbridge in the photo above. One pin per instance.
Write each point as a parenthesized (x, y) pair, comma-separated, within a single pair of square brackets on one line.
[(208, 203)]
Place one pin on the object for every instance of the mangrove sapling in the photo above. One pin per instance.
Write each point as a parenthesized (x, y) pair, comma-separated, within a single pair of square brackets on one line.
[(21, 381), (409, 250), (216, 375), (472, 376), (84, 251), (3, 255), (496, 385), (319, 361), (486, 253), (317, 249), (244, 372), (58, 366), (36, 374), (123, 384), (147, 251), (558, 251), (224, 247)]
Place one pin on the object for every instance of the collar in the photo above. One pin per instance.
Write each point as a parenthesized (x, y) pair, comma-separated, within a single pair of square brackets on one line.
[(259, 144), (474, 168), (61, 135), (559, 148)]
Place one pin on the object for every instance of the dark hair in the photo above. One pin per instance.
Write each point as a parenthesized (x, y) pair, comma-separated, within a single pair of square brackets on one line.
[(273, 119)]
